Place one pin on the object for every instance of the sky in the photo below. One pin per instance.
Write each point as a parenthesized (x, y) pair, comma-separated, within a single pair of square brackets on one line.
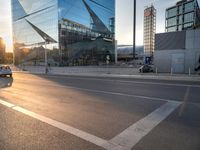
[(124, 20), (5, 23)]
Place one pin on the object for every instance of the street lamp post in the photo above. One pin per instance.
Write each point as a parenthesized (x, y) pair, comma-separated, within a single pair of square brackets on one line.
[(45, 57), (134, 28)]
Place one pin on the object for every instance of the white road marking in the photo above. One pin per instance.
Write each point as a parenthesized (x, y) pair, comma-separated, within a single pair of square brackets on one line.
[(76, 132), (108, 92), (185, 100), (124, 141), (81, 134), (132, 135), (122, 94), (6, 103)]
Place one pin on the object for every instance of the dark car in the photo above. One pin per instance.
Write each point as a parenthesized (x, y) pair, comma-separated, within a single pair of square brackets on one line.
[(146, 68)]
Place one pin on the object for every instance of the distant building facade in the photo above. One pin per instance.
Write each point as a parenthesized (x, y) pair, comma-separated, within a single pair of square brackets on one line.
[(2, 50), (149, 31), (184, 15), (178, 52), (78, 32), (125, 53)]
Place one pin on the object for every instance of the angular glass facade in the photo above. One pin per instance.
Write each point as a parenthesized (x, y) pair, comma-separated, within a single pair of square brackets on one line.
[(185, 15), (75, 32)]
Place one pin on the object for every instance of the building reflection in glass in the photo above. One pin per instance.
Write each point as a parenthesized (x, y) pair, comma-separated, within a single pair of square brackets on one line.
[(77, 32)]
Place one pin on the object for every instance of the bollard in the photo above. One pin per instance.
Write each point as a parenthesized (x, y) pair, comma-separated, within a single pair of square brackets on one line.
[(189, 72), (171, 71)]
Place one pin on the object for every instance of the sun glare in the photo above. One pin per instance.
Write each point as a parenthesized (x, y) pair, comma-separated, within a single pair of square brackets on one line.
[(9, 44)]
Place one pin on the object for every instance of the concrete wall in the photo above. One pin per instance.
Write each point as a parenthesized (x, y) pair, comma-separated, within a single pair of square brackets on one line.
[(163, 57), (163, 60), (82, 70), (170, 41)]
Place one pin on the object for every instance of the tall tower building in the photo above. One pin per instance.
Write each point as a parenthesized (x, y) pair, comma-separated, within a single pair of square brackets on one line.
[(184, 15), (149, 31)]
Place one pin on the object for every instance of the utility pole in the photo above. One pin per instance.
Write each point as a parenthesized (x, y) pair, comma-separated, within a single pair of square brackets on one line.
[(134, 28), (45, 53)]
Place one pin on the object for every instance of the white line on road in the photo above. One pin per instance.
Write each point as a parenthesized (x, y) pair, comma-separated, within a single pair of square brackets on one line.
[(124, 141), (185, 100), (122, 94), (108, 92), (81, 134), (6, 103), (132, 135), (76, 132)]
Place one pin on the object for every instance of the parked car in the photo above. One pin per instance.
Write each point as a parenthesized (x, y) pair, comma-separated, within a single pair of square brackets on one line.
[(5, 70), (146, 68)]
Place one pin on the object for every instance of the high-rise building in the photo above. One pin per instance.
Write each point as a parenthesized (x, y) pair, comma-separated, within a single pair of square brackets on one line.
[(184, 15), (149, 31), (74, 32), (2, 50)]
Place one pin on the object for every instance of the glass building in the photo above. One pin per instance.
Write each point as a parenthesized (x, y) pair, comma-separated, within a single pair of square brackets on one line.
[(74, 32), (149, 31), (184, 15)]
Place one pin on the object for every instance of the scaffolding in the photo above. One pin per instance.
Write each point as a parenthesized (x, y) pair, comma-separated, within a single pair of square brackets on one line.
[(149, 31)]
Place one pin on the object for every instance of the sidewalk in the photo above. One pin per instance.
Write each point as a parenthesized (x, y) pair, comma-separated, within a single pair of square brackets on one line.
[(115, 72)]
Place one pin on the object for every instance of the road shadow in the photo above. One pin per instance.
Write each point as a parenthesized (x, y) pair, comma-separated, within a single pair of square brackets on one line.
[(5, 82)]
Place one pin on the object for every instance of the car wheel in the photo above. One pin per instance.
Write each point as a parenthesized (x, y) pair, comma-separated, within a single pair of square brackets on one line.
[(10, 75)]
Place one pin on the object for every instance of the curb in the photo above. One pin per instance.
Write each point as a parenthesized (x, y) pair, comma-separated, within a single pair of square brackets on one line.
[(153, 77)]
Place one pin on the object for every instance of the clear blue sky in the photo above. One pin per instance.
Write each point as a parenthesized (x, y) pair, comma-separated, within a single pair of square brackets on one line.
[(124, 11)]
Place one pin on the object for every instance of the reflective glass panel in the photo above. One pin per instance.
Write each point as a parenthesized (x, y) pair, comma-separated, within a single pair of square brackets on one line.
[(171, 22), (171, 29), (86, 31), (189, 17), (189, 7), (171, 12), (35, 23)]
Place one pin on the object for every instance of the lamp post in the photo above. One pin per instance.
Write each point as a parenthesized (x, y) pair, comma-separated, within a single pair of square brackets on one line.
[(134, 27), (45, 57)]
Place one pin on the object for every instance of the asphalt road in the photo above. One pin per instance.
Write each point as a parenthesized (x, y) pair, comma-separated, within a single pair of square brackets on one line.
[(83, 113)]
